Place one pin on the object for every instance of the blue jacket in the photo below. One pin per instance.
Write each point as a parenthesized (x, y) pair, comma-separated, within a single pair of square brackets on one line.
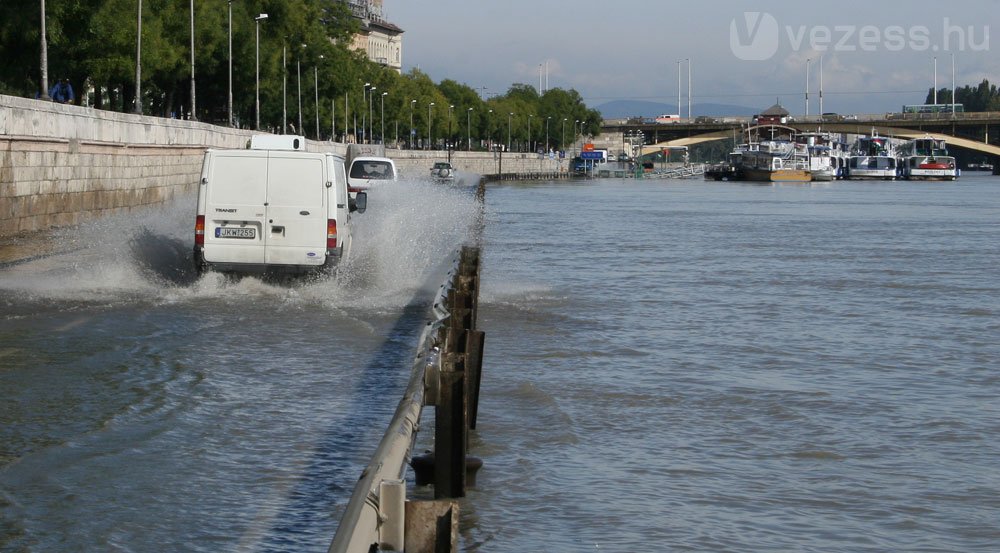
[(62, 92)]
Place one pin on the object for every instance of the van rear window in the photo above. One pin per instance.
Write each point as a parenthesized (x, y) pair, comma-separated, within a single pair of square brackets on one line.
[(377, 170)]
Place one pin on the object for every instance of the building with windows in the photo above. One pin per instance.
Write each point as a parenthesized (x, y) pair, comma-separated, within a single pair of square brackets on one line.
[(380, 39)]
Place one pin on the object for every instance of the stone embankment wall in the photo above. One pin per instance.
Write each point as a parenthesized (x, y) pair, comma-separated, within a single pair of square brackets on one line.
[(417, 163), (64, 164)]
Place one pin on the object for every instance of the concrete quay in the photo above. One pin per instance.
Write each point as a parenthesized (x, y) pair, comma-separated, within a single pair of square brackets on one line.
[(62, 164)]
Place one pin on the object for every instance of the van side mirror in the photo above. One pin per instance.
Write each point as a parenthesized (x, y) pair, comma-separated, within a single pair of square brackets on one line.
[(359, 203)]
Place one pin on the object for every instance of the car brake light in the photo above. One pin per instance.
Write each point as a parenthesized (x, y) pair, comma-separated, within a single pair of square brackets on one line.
[(199, 230), (331, 234)]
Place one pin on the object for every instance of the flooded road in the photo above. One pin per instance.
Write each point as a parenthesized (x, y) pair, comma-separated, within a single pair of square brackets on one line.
[(145, 409)]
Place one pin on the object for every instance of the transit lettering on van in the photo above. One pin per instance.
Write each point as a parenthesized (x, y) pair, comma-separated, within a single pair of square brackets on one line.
[(273, 207)]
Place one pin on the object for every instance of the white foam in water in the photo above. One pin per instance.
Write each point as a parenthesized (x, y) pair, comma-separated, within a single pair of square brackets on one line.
[(410, 229)]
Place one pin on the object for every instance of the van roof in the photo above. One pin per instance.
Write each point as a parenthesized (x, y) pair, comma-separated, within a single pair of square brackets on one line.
[(289, 142)]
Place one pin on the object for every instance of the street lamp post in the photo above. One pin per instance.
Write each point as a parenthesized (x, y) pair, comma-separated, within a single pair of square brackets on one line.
[(562, 139), (808, 62), (298, 72), (679, 62), (449, 140), (194, 117), (413, 104), (371, 114), (547, 120), (229, 97), (468, 126), (935, 82), (510, 119), (430, 138), (530, 118), (258, 19), (364, 113), (689, 87), (381, 118), (44, 61), (574, 136), (316, 91), (284, 89), (138, 61)]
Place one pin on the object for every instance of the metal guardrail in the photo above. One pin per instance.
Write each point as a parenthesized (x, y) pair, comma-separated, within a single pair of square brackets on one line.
[(361, 522), (375, 514)]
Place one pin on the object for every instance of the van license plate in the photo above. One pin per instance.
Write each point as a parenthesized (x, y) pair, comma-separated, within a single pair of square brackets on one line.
[(236, 232)]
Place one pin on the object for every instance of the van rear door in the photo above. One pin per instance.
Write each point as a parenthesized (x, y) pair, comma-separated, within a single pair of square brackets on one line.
[(340, 208), (295, 227), (234, 207)]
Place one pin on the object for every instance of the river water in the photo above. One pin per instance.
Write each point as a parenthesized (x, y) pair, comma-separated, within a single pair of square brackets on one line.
[(690, 366), (670, 366)]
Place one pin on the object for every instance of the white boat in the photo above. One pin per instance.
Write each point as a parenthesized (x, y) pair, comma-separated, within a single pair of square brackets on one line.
[(927, 158), (826, 156), (776, 161), (872, 157)]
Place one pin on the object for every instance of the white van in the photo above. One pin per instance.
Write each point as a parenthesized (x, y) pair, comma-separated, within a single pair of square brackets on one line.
[(367, 165), (273, 208)]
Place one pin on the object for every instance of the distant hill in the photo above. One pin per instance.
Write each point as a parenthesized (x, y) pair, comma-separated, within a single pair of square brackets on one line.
[(619, 109)]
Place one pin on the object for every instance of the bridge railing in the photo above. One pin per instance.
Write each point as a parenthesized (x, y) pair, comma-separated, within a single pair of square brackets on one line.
[(861, 118)]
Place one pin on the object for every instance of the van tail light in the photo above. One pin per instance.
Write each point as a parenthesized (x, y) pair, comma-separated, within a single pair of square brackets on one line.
[(331, 234), (199, 231)]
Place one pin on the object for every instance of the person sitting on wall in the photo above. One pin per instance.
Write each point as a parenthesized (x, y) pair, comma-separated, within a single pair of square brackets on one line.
[(62, 92)]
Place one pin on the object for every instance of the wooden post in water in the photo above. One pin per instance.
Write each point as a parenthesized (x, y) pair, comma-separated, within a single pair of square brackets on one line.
[(457, 398), (474, 342), (450, 435)]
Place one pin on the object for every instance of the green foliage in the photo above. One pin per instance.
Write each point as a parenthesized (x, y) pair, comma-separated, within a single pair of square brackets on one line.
[(984, 97), (304, 45)]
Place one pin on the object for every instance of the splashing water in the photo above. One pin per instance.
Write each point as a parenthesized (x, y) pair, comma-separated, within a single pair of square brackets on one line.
[(409, 230)]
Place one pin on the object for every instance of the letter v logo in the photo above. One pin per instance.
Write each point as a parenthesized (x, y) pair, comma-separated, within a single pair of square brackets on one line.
[(756, 39)]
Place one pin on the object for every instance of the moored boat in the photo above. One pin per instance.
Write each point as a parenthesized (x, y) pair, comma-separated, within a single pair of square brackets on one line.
[(872, 157), (826, 161), (927, 158), (776, 161), (729, 170)]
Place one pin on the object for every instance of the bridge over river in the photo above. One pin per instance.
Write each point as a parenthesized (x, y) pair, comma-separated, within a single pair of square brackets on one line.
[(977, 132)]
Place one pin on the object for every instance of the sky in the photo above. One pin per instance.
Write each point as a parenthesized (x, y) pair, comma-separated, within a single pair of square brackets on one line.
[(876, 55)]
